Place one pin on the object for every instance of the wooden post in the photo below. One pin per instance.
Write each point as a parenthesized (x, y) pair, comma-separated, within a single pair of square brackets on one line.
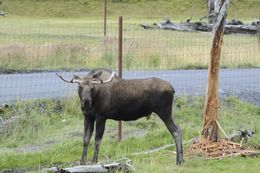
[(105, 17), (210, 115), (120, 57), (258, 30)]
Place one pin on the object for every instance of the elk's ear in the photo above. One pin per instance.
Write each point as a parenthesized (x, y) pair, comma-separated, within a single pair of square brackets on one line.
[(96, 76)]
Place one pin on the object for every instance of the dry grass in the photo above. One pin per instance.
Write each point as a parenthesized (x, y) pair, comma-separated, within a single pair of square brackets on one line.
[(60, 47)]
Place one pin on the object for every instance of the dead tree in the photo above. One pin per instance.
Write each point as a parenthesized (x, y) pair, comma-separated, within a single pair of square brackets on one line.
[(210, 116), (213, 9)]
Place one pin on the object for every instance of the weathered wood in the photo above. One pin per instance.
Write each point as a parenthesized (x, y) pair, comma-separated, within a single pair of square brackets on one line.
[(222, 130), (213, 9), (222, 14), (187, 26), (240, 29), (169, 25), (210, 115), (231, 27), (123, 164), (87, 168)]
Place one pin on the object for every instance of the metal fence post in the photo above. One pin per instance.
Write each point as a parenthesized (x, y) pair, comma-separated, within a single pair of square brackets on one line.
[(105, 17), (120, 56)]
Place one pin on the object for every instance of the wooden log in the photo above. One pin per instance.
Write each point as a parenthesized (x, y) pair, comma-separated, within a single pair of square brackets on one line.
[(94, 168), (123, 164), (85, 168), (240, 29), (202, 27), (187, 26)]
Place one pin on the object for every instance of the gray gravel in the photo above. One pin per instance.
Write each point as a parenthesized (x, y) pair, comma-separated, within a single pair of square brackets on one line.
[(243, 83)]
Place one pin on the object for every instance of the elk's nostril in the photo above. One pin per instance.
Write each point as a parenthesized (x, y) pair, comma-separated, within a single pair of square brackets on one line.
[(86, 103)]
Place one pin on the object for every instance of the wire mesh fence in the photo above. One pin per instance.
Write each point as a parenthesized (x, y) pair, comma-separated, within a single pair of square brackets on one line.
[(31, 52)]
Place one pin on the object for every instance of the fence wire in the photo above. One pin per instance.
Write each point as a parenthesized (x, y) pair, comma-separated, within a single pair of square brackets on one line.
[(31, 53)]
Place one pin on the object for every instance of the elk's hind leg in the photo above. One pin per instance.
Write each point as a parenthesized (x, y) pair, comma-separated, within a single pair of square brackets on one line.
[(175, 131)]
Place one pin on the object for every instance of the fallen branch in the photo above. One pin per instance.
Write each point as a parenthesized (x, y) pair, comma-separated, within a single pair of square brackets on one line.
[(222, 130), (162, 148), (188, 26), (123, 164), (154, 150)]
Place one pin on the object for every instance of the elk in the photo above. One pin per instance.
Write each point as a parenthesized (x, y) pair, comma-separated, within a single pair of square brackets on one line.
[(105, 96)]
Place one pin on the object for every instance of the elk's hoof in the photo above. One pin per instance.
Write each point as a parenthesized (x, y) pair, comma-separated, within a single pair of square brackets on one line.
[(180, 162)]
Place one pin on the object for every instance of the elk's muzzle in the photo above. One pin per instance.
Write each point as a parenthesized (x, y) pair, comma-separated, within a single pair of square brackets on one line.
[(86, 104)]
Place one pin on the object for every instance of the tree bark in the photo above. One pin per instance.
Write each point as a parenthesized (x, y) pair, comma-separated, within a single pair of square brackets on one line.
[(210, 116), (213, 9)]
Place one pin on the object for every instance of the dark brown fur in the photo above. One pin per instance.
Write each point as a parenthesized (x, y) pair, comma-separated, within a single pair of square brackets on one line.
[(124, 100)]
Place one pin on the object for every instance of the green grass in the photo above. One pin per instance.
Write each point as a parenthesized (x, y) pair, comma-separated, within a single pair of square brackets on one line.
[(69, 35), (177, 9), (56, 126), (29, 44)]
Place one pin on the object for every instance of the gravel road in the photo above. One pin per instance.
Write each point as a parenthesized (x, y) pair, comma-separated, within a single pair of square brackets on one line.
[(243, 83)]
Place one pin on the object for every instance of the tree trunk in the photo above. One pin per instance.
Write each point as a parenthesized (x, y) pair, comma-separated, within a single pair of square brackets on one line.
[(210, 116), (213, 9), (258, 31)]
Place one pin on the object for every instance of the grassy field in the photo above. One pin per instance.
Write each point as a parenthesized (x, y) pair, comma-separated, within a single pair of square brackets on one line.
[(29, 44), (69, 35), (49, 133)]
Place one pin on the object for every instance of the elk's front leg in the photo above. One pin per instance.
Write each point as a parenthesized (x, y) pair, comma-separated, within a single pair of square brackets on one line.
[(100, 128), (88, 131)]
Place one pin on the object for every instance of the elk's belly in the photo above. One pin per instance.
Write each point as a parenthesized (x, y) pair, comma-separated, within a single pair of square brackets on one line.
[(130, 113)]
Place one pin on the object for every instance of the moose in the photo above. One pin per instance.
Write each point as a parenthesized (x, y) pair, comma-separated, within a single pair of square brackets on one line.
[(103, 95)]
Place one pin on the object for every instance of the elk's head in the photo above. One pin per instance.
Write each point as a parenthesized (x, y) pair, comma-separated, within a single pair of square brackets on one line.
[(85, 87)]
